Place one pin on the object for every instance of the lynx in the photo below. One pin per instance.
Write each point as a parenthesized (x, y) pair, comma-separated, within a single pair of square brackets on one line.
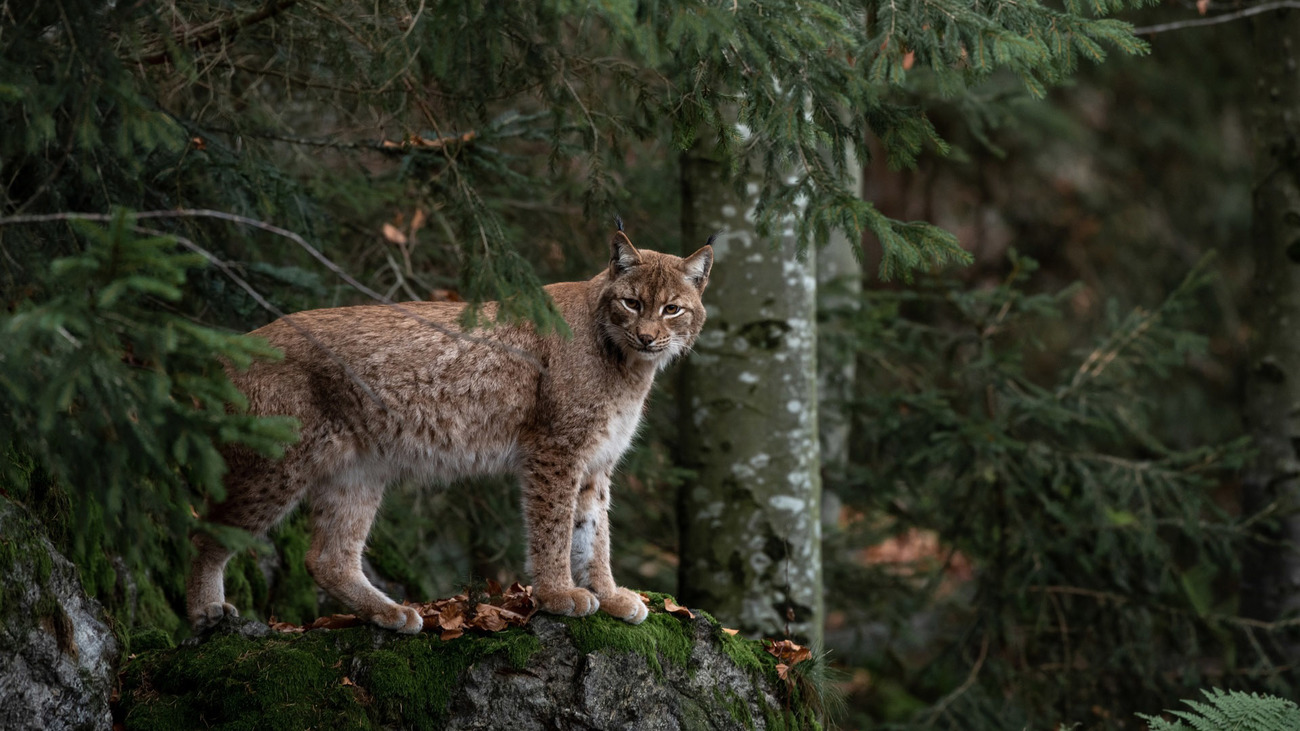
[(386, 393)]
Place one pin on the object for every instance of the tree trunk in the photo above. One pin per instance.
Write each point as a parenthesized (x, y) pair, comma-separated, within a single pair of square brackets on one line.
[(839, 292), (1271, 584), (750, 521)]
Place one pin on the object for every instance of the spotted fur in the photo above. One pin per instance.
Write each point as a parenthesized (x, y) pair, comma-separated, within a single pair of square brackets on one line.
[(445, 407)]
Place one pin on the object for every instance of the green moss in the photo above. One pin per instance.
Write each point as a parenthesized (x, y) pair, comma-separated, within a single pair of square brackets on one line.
[(294, 597), (20, 546), (412, 682), (660, 635), (298, 682), (246, 585), (736, 707), (390, 561), (236, 683), (154, 611), (148, 639)]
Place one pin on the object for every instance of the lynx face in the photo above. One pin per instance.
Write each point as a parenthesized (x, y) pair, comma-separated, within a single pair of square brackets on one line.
[(651, 306)]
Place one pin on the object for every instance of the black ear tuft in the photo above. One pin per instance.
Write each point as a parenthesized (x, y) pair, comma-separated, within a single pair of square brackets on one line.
[(699, 264), (712, 238), (618, 222), (622, 254)]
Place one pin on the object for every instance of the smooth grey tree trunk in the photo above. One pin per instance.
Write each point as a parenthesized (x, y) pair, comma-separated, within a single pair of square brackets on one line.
[(750, 522), (1271, 581), (839, 295)]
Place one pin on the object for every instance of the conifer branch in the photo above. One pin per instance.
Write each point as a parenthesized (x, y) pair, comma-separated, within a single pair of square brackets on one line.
[(265, 304), (300, 241), (1217, 19), (208, 33), (388, 147)]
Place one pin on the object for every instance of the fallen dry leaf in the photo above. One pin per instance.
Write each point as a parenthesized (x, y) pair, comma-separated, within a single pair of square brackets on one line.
[(781, 670), (450, 634), (730, 631), (788, 652), (336, 621), (673, 607), (347, 681)]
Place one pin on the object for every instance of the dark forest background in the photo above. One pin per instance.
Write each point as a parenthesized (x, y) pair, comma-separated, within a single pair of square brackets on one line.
[(1023, 273)]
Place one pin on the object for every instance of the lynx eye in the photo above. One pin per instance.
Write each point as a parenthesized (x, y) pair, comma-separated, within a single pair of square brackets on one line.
[(671, 309), (631, 304)]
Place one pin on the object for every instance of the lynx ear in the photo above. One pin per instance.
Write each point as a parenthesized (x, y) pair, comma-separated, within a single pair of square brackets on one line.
[(699, 264), (622, 254)]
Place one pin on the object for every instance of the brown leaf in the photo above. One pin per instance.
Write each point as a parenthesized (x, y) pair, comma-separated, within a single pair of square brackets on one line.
[(286, 627), (673, 607), (452, 617), (394, 235), (490, 618), (1202, 6), (347, 681), (782, 669), (417, 220), (909, 60), (788, 651), (730, 631), (450, 634), (336, 621), (493, 587)]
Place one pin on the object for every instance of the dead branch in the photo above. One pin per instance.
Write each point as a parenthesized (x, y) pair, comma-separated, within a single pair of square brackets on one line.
[(204, 34)]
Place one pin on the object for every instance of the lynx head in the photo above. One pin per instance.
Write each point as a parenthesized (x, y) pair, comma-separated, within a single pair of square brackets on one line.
[(650, 308)]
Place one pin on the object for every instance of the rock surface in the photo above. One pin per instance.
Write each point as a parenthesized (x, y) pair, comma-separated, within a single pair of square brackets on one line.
[(555, 673), (56, 652)]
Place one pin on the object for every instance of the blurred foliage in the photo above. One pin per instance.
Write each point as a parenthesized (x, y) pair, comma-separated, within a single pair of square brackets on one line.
[(1086, 536), (1038, 554)]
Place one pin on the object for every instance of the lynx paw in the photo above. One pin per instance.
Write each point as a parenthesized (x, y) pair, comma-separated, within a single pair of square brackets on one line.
[(626, 605), (405, 620), (208, 615), (569, 602)]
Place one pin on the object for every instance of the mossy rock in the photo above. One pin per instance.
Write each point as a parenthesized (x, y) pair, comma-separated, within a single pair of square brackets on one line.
[(589, 673), (56, 650)]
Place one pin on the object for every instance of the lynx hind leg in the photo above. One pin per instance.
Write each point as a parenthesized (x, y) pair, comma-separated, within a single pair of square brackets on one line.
[(342, 514), (256, 499), (205, 592), (589, 555)]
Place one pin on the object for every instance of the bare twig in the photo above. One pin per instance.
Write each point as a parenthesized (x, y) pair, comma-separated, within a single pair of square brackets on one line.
[(947, 700), (208, 33), (300, 241), (266, 305), (390, 147), (1217, 19)]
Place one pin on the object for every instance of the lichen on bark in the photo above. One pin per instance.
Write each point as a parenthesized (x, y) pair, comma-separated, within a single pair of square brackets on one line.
[(750, 520)]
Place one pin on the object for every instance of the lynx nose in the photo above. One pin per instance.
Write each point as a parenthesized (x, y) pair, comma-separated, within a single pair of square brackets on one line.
[(646, 340)]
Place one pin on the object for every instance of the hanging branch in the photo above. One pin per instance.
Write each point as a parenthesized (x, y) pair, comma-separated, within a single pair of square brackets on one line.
[(208, 33), (300, 241), (1217, 19)]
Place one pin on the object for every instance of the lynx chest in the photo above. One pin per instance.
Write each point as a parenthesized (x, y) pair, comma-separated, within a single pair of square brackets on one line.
[(616, 436)]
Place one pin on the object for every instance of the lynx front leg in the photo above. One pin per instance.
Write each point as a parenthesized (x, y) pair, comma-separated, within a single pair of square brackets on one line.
[(589, 555), (550, 487), (341, 519)]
